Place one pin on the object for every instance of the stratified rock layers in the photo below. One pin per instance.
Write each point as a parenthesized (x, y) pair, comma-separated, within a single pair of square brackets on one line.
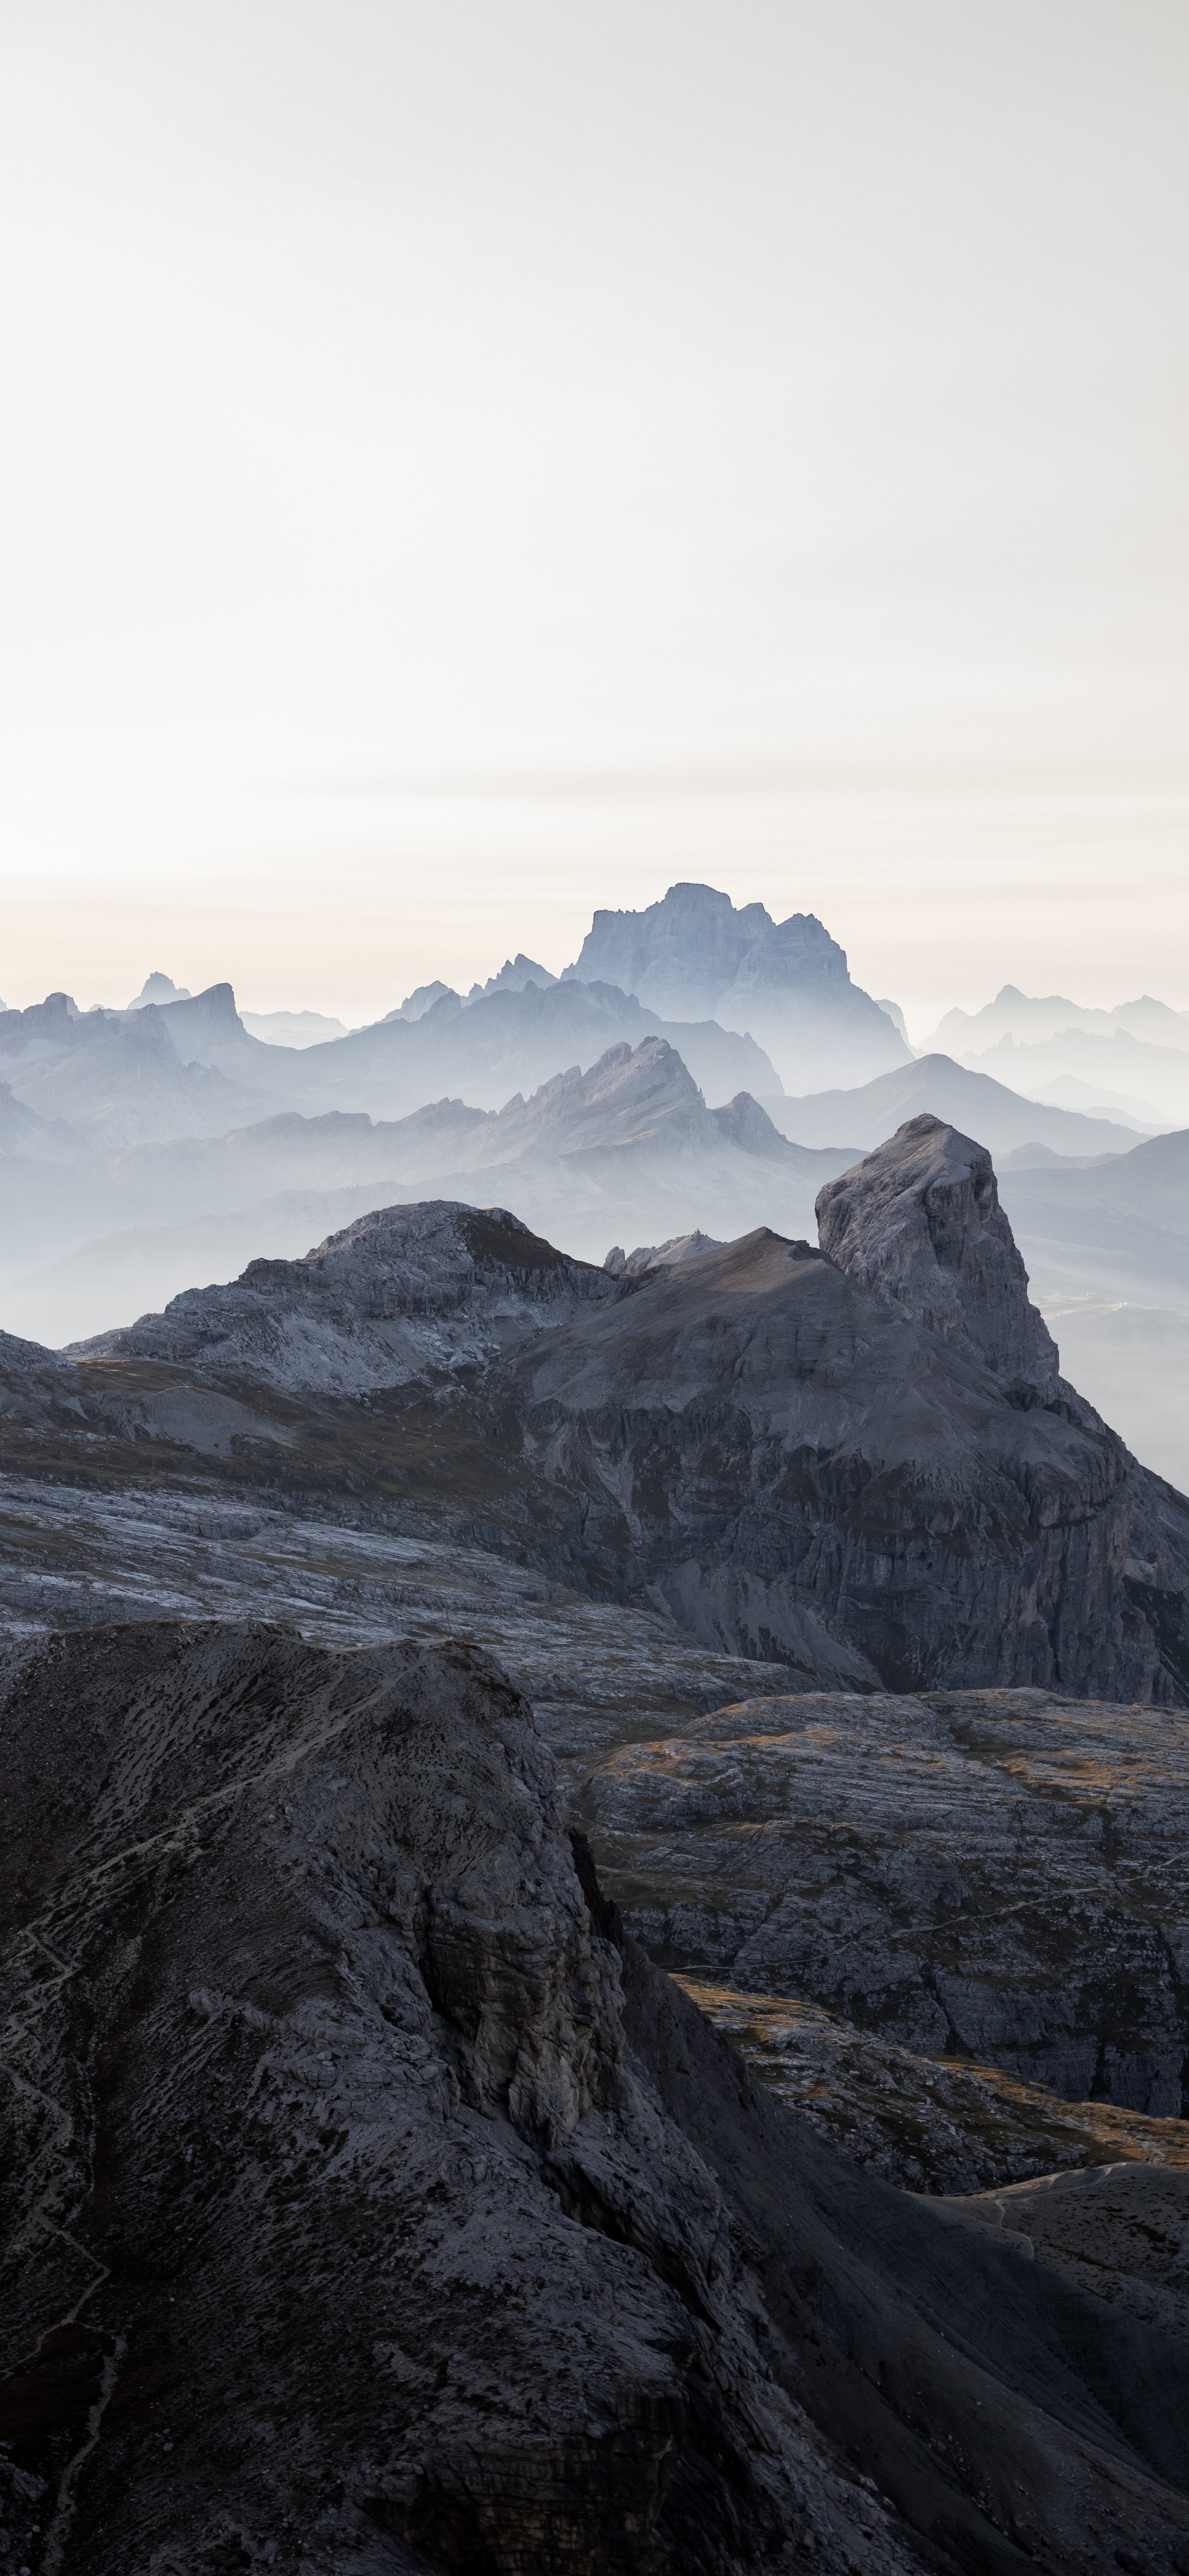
[(994, 1874), (371, 2206)]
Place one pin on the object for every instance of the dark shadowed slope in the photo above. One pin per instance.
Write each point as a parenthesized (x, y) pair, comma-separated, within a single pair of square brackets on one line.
[(367, 2207)]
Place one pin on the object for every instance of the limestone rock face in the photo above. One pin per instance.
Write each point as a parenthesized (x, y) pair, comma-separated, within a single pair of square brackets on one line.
[(797, 1466), (400, 1291), (753, 1440), (785, 982), (997, 1874), (372, 2208), (920, 1221)]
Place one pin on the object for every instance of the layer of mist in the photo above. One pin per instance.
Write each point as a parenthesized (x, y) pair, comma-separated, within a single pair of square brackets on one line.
[(633, 1099)]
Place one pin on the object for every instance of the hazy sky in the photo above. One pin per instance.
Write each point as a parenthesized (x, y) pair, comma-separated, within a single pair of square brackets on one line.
[(466, 463)]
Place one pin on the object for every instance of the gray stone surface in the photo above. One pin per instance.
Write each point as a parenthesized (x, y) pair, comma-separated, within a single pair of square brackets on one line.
[(934, 2124), (369, 2205), (998, 1875), (600, 1674), (779, 1455), (920, 1222)]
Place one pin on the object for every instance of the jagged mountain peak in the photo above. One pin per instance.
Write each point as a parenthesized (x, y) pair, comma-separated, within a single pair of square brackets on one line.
[(631, 1094), (514, 974), (786, 984), (416, 1004), (700, 1433), (919, 1220), (160, 988), (745, 1123)]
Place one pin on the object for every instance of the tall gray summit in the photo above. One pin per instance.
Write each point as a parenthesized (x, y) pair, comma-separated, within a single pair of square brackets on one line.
[(695, 956)]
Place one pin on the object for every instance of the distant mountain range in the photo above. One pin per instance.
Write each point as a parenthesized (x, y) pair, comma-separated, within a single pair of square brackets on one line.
[(191, 1067), (1133, 1059), (1029, 1018), (786, 983), (1149, 1082), (1000, 1117), (626, 1149), (696, 956), (636, 1097), (116, 1077), (292, 1028)]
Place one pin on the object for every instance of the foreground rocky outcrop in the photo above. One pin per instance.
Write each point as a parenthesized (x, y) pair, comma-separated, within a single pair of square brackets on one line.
[(860, 1463), (937, 2124), (987, 1875), (370, 2204)]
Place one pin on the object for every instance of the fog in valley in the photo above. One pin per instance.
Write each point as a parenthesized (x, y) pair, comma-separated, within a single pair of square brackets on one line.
[(594, 1289), (698, 1070)]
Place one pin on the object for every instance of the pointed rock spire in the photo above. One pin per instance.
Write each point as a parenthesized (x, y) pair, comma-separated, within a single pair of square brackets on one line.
[(919, 1220)]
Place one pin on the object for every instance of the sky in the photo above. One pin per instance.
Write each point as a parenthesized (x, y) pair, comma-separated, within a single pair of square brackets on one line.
[(463, 466)]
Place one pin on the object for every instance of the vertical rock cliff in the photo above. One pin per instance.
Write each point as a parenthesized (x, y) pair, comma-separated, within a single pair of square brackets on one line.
[(920, 1222)]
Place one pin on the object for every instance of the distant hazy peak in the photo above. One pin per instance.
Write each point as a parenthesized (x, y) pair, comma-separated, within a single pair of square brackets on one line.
[(514, 974), (746, 1124), (1031, 1017), (896, 1016), (57, 1019), (694, 941), (292, 1028), (786, 984), (415, 1005), (920, 1221), (160, 988)]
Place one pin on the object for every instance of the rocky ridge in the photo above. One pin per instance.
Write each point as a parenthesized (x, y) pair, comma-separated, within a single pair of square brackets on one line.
[(758, 1442), (376, 2206), (610, 1686), (936, 1086), (401, 1292), (630, 1144)]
